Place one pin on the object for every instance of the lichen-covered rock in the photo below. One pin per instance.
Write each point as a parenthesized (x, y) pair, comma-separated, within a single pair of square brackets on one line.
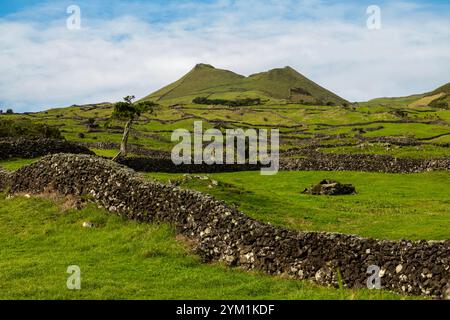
[(222, 233), (330, 188)]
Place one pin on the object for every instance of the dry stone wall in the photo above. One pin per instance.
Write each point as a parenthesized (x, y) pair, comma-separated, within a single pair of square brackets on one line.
[(305, 159), (4, 178), (147, 164), (313, 161), (32, 148), (309, 160), (221, 233)]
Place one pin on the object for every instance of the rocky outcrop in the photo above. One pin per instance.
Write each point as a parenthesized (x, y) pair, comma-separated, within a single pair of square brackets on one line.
[(330, 188), (221, 233), (32, 148)]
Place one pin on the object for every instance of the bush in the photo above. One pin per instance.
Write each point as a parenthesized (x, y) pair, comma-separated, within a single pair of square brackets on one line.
[(441, 105), (9, 111), (25, 128)]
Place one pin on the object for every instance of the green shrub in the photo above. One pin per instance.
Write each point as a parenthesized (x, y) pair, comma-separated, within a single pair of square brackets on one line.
[(441, 105), (25, 128)]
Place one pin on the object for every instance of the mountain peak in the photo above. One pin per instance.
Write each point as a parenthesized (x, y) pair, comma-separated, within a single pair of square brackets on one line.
[(278, 84), (203, 66)]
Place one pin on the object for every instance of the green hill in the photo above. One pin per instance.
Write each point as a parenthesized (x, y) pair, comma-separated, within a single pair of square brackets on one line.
[(443, 89), (439, 98), (277, 84)]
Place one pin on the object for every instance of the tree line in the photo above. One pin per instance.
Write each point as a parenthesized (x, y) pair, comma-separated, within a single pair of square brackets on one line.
[(230, 103)]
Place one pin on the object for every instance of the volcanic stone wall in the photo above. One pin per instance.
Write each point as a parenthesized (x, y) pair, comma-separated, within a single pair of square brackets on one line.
[(132, 148), (4, 178), (316, 161), (312, 161), (146, 164), (32, 148), (221, 233)]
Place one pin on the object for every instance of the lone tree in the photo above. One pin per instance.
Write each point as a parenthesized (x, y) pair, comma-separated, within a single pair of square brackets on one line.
[(128, 111)]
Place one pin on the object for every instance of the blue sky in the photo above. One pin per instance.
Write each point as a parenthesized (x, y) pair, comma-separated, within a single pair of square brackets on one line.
[(136, 47)]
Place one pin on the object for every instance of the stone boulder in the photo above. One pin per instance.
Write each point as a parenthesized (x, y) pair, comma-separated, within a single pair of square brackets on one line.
[(330, 188)]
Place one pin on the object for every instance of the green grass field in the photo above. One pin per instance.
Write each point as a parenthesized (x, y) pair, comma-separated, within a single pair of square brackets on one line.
[(387, 206), (14, 164), (122, 259)]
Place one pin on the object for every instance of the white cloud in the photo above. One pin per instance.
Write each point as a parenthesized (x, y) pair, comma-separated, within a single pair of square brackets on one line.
[(46, 65)]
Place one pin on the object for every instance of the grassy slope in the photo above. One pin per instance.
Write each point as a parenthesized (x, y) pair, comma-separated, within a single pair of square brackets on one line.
[(123, 260), (205, 80), (418, 100), (425, 101), (278, 82), (298, 124), (200, 79), (391, 206), (397, 101), (14, 164), (444, 88)]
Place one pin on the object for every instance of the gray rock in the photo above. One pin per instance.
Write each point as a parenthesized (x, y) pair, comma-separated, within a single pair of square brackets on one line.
[(330, 188)]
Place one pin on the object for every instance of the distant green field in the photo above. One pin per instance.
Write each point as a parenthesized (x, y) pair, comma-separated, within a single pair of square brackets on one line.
[(387, 206), (122, 259), (299, 124)]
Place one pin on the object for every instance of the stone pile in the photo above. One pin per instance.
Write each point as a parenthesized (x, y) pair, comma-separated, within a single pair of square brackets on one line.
[(330, 188)]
